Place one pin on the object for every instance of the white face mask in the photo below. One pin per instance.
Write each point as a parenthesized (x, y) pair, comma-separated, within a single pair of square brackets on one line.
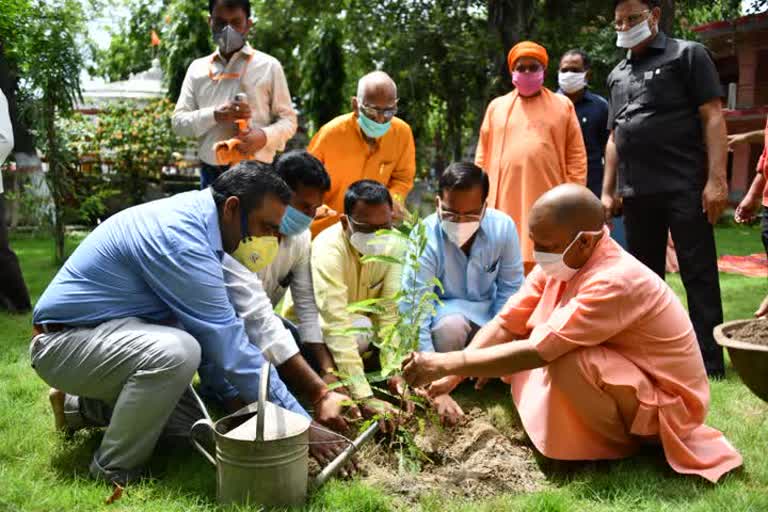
[(630, 38), (459, 232), (571, 82), (368, 244), (552, 263)]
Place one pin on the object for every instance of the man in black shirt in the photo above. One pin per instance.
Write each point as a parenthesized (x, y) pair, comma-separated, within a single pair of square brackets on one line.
[(667, 145)]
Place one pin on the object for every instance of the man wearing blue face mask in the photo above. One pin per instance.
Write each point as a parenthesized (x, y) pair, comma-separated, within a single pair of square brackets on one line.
[(368, 143), (207, 108), (668, 150), (298, 353), (474, 252)]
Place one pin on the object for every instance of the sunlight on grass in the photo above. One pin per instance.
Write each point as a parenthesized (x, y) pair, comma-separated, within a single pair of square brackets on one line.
[(39, 471)]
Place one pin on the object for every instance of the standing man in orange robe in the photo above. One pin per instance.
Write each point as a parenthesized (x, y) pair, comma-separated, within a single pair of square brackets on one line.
[(530, 142), (601, 355), (368, 143)]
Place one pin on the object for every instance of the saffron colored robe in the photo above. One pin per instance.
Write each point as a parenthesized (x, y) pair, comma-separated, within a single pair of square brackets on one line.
[(528, 146), (624, 367)]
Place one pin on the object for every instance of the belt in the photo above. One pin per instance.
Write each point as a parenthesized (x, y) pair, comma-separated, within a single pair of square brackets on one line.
[(38, 329)]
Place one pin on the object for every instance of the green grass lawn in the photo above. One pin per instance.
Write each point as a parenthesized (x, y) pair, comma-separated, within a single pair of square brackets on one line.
[(39, 471)]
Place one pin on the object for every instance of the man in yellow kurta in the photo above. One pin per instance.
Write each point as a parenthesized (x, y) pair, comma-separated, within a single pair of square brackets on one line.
[(368, 143), (341, 278), (530, 142)]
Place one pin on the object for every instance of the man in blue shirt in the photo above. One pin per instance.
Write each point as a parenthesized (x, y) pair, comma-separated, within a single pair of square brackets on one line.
[(124, 324), (475, 253), (592, 111)]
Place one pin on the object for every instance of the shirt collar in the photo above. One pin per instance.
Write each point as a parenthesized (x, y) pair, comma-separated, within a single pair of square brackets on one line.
[(245, 51), (211, 215)]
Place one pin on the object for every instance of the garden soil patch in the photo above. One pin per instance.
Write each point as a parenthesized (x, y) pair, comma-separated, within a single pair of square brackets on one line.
[(755, 332), (472, 460)]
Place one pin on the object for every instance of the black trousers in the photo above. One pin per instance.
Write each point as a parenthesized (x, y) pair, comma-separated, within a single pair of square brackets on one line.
[(14, 296), (648, 219)]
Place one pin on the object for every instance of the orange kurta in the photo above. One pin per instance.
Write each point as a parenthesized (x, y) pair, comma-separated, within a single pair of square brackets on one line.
[(624, 367), (349, 158), (528, 146)]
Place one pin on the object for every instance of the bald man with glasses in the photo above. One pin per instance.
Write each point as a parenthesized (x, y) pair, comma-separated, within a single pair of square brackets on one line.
[(367, 143)]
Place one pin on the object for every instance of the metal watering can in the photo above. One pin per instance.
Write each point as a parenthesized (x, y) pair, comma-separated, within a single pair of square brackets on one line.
[(262, 453)]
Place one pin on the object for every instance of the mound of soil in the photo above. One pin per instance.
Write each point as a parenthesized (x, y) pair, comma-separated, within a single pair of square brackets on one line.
[(472, 460), (755, 332)]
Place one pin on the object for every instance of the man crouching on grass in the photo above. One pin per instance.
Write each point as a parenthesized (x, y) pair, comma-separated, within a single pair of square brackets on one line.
[(600, 354), (122, 328)]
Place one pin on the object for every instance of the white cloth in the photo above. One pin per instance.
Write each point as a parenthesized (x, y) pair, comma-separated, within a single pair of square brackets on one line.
[(6, 134), (263, 327), (263, 80), (292, 269)]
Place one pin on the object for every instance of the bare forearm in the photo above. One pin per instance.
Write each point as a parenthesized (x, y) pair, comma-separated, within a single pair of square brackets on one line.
[(755, 137), (495, 361), (492, 333), (717, 150), (323, 358), (756, 189), (301, 378), (611, 165)]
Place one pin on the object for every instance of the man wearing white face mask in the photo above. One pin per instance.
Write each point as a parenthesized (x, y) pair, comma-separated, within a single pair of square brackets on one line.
[(668, 150), (599, 352), (340, 278), (475, 253), (207, 108)]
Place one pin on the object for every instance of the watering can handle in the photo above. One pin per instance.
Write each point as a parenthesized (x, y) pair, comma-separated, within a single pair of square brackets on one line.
[(197, 427), (263, 387)]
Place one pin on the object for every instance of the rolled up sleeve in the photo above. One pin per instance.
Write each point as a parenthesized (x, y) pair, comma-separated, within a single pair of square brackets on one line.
[(595, 315), (252, 305), (518, 309)]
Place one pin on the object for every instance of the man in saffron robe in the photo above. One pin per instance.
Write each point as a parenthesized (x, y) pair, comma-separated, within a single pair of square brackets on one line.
[(600, 354), (530, 142)]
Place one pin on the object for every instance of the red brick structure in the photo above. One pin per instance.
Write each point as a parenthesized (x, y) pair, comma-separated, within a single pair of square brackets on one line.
[(740, 49)]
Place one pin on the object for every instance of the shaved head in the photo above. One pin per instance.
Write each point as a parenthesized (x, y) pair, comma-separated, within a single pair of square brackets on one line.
[(571, 206), (567, 216), (377, 87)]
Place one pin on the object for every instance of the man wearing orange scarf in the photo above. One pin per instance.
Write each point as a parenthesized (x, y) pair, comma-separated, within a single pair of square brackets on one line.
[(530, 142)]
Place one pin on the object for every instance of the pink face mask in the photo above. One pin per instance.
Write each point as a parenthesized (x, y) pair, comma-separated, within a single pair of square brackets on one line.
[(528, 83)]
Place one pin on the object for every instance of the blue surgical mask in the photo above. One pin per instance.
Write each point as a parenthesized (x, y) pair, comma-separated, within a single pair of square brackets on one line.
[(371, 128), (294, 222)]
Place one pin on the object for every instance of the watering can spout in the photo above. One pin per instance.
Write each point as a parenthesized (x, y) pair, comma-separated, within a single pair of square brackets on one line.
[(344, 456)]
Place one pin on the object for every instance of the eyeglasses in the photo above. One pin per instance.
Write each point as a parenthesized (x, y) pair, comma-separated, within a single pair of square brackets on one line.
[(630, 21), (459, 217), (360, 227), (374, 112)]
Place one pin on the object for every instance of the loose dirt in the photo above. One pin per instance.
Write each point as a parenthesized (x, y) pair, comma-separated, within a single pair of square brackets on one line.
[(755, 332), (472, 460)]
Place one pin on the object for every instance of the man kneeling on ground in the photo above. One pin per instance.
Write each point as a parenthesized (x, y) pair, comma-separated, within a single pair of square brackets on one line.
[(600, 353), (122, 327)]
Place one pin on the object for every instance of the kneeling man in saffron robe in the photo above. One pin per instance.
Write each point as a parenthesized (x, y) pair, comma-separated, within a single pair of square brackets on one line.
[(600, 354)]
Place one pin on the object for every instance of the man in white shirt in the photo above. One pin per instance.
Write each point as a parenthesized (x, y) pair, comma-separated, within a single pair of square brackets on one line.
[(206, 108), (14, 296), (301, 357)]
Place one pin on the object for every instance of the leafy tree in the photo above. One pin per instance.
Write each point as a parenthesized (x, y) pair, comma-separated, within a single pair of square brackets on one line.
[(50, 62), (185, 38), (322, 71), (130, 50)]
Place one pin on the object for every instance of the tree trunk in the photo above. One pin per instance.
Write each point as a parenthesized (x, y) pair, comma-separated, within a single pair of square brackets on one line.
[(512, 21), (56, 180)]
